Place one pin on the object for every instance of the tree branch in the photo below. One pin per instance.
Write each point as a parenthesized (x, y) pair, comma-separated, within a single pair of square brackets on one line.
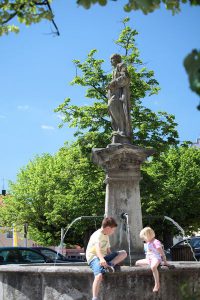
[(12, 15), (44, 3), (102, 94), (54, 24)]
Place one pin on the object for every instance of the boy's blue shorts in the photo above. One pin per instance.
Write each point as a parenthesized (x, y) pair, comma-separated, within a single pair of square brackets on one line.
[(95, 263)]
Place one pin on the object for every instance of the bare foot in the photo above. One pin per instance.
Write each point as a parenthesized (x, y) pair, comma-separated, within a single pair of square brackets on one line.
[(156, 288)]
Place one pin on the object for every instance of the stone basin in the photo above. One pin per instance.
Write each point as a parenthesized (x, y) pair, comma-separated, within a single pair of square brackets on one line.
[(74, 282)]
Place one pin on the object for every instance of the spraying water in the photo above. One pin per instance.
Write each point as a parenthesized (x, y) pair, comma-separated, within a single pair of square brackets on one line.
[(78, 219), (67, 229), (183, 234), (176, 224)]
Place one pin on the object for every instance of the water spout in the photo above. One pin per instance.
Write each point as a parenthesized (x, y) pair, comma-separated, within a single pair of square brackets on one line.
[(124, 216)]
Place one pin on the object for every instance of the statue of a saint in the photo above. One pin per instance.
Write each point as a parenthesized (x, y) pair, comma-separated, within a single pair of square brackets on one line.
[(119, 101)]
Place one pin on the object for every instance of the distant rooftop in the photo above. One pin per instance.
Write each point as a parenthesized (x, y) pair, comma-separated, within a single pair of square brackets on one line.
[(197, 144)]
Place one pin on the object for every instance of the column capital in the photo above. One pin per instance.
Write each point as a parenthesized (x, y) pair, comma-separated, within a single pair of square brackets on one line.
[(120, 157)]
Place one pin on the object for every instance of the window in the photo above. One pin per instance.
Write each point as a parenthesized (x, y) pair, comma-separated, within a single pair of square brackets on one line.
[(9, 234)]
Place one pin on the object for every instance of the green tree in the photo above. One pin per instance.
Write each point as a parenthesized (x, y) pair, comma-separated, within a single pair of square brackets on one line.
[(171, 187), (92, 121), (51, 191)]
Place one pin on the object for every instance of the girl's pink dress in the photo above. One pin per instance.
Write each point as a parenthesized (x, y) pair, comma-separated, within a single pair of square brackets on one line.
[(151, 251)]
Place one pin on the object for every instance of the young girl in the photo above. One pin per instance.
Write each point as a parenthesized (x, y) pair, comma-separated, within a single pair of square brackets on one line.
[(154, 254)]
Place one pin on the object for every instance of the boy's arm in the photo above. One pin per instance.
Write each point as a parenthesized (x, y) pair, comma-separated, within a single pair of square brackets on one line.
[(103, 262)]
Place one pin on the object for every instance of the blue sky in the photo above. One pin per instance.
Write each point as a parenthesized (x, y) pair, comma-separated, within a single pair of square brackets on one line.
[(36, 68)]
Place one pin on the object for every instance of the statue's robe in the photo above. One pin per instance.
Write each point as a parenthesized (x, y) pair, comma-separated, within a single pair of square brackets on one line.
[(119, 101)]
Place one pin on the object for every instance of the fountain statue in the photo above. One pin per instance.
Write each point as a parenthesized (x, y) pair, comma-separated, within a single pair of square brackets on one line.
[(121, 161), (119, 105)]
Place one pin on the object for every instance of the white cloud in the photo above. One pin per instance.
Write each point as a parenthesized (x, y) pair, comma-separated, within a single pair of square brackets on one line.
[(23, 107), (47, 127)]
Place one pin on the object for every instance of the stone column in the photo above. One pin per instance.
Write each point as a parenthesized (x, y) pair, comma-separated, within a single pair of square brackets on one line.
[(121, 163)]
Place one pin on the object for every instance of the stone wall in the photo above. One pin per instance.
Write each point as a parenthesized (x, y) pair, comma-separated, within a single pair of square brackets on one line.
[(75, 282)]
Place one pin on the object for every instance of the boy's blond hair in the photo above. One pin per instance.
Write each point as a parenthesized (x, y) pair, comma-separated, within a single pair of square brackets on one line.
[(147, 232)]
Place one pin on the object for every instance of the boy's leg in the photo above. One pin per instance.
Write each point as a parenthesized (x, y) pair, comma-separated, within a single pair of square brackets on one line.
[(119, 258), (98, 271), (115, 258), (96, 285)]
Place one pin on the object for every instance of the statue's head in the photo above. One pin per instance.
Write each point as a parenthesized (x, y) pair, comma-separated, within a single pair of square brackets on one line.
[(115, 59)]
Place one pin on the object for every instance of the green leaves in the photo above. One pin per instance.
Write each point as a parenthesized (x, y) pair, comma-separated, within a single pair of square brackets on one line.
[(51, 191), (87, 3), (26, 12), (146, 6), (192, 66)]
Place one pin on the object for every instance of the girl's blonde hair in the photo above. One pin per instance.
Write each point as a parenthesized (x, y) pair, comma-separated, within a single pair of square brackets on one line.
[(147, 233)]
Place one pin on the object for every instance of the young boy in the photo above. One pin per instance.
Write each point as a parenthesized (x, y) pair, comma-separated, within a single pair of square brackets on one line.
[(99, 256)]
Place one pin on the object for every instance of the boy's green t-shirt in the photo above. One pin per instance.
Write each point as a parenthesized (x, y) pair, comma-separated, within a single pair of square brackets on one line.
[(97, 238)]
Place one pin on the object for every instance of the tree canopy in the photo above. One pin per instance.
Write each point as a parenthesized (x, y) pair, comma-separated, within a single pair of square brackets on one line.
[(51, 191), (171, 187)]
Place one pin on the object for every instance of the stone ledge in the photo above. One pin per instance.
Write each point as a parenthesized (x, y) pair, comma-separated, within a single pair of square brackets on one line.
[(84, 268), (70, 282)]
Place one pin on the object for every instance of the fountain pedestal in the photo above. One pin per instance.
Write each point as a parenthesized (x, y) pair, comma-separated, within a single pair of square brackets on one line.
[(121, 163)]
